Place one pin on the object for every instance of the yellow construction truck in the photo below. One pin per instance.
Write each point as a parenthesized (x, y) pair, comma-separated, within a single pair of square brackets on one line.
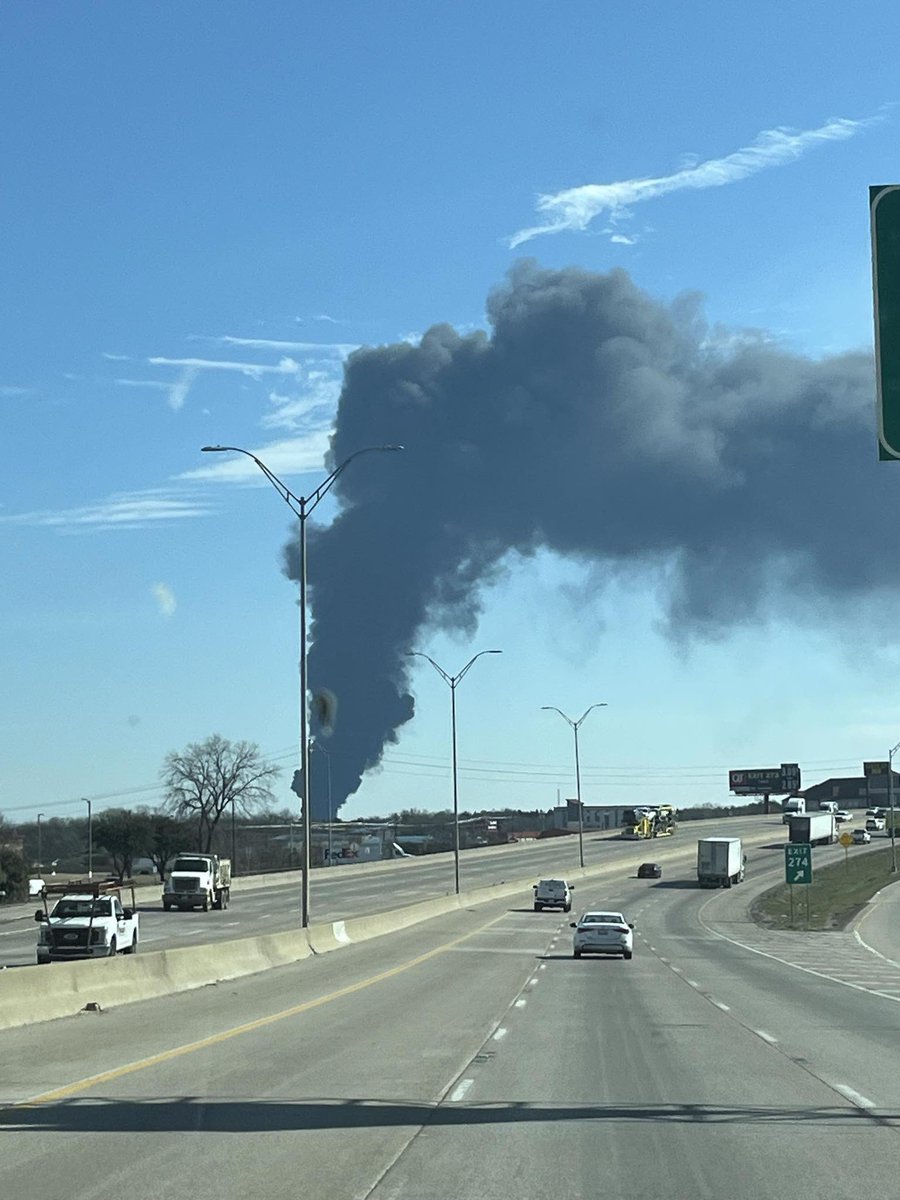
[(644, 823)]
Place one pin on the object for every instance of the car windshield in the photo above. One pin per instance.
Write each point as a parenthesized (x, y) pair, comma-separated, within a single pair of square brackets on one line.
[(81, 908)]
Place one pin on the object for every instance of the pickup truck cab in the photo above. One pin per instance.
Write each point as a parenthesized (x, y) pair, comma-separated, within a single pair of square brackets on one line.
[(87, 921), (553, 893)]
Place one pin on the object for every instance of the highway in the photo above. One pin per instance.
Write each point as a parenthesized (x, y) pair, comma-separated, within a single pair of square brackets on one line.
[(473, 1058), (341, 892)]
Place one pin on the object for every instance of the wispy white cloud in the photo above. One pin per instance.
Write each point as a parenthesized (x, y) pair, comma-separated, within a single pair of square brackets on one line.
[(123, 510), (116, 357), (176, 392), (575, 208), (165, 599), (290, 456), (341, 349), (622, 239), (154, 384), (285, 366), (11, 392)]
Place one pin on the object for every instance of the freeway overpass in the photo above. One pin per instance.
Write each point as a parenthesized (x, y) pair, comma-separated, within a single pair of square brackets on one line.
[(474, 1057)]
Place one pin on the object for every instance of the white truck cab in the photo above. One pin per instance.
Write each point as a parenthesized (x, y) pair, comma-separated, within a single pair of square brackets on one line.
[(87, 921), (198, 881), (553, 893), (794, 806)]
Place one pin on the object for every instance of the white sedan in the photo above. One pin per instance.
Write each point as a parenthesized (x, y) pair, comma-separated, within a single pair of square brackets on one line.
[(842, 816), (602, 933)]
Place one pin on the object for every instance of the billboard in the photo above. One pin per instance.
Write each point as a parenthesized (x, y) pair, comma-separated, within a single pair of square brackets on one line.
[(875, 768), (765, 781)]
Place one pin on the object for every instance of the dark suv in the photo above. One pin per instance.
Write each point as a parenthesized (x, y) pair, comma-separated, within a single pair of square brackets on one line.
[(649, 871)]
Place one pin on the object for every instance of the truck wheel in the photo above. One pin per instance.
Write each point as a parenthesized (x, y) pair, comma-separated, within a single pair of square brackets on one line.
[(567, 908), (538, 908), (113, 948), (167, 907), (226, 898), (206, 902), (217, 900), (628, 954), (132, 949), (576, 954)]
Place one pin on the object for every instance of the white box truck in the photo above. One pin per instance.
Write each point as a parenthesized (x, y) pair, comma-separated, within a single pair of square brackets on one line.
[(720, 862), (818, 829)]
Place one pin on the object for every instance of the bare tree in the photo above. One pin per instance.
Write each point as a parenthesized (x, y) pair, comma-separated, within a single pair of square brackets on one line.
[(205, 779)]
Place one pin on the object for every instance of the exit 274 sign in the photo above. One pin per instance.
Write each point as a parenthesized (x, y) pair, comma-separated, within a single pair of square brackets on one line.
[(798, 863)]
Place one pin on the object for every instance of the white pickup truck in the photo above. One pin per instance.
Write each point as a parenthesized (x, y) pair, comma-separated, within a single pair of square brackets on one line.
[(87, 921), (553, 893)]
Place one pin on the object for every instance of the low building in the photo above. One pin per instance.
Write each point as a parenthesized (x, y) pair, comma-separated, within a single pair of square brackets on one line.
[(595, 817), (854, 792)]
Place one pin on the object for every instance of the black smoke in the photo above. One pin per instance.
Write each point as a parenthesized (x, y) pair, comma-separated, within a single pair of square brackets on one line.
[(602, 424)]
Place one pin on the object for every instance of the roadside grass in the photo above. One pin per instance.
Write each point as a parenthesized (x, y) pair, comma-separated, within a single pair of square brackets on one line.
[(836, 895)]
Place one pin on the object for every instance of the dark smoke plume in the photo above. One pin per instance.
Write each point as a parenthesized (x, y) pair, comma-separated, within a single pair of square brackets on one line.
[(602, 424)]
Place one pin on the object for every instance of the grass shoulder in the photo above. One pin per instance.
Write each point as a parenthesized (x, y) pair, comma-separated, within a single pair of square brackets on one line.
[(836, 895)]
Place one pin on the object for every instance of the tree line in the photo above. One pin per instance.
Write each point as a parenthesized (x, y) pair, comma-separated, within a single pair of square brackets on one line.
[(200, 784)]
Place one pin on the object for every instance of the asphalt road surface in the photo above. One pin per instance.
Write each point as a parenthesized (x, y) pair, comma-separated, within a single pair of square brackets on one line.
[(472, 1058), (341, 892)]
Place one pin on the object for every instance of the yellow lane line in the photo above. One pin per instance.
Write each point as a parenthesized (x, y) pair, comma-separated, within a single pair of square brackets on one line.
[(216, 1039)]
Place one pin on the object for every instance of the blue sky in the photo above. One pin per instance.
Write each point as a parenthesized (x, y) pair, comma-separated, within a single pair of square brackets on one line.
[(207, 207)]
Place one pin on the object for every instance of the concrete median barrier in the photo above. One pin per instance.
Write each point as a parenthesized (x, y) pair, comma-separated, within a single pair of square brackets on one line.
[(33, 994)]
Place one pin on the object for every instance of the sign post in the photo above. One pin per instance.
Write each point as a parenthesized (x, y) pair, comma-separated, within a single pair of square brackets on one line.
[(884, 210), (798, 869), (846, 840)]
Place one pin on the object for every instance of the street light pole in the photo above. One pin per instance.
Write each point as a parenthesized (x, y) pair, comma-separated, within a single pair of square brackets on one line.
[(40, 817), (891, 806), (301, 507), (314, 746), (576, 725), (90, 839), (452, 681)]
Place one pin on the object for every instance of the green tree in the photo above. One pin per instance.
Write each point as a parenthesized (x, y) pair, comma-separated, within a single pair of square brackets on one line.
[(166, 837), (204, 780), (124, 835)]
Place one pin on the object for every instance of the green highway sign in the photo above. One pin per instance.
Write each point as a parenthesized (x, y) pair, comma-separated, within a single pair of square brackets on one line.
[(798, 863), (884, 208)]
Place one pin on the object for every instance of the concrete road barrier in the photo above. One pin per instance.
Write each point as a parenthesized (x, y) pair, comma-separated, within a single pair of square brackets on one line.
[(32, 994)]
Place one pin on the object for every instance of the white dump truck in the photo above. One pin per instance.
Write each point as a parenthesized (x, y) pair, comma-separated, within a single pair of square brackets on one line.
[(198, 881), (88, 920), (720, 862)]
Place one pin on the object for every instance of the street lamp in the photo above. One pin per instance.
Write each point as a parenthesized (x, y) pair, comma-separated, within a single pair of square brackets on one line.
[(452, 681), (576, 725), (90, 839), (891, 806), (40, 848), (301, 507), (314, 746)]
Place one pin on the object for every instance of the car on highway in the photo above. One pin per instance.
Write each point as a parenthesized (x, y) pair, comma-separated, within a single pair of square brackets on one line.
[(602, 933), (553, 893), (876, 824), (842, 816), (649, 871), (861, 837)]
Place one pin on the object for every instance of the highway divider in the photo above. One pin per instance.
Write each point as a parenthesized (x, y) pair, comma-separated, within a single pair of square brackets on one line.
[(29, 995)]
